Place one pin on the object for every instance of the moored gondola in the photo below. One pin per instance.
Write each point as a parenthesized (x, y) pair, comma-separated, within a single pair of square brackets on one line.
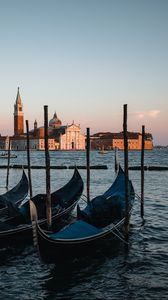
[(18, 227), (15, 196), (101, 218)]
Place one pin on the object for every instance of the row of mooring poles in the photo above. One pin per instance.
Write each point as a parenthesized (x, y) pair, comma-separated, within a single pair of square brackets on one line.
[(126, 167), (47, 160)]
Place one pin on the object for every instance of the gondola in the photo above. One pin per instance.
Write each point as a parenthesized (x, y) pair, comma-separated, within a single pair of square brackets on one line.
[(16, 195), (18, 227), (99, 221)]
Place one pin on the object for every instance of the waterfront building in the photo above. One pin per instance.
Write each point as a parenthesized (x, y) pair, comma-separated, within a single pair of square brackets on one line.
[(72, 138), (20, 143), (61, 137), (4, 142), (110, 141), (66, 137)]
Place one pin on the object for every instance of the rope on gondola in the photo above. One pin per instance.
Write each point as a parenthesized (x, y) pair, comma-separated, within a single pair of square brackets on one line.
[(35, 241), (85, 200), (138, 197), (119, 235)]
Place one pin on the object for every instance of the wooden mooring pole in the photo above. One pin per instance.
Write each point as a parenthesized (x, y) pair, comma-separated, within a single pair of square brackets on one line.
[(116, 159), (7, 175), (142, 171), (31, 204), (126, 223), (47, 160), (88, 162), (28, 159)]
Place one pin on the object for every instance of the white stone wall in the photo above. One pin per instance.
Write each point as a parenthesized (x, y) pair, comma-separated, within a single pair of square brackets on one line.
[(72, 139)]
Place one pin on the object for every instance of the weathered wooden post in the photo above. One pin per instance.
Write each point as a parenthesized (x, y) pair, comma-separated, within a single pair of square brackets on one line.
[(28, 159), (47, 160), (31, 204), (142, 171), (88, 162), (126, 223), (7, 176), (116, 159)]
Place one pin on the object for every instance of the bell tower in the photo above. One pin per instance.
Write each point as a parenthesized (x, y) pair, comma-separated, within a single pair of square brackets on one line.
[(18, 116)]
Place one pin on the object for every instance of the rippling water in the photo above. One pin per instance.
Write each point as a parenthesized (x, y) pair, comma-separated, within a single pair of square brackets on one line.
[(139, 272)]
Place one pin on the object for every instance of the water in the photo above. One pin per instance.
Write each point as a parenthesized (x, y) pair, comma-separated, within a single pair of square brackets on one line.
[(138, 273)]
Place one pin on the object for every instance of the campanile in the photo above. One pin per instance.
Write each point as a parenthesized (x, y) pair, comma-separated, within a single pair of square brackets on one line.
[(18, 116)]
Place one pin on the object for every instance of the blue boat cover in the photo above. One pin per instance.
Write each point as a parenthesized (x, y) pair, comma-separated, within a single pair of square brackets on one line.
[(106, 208), (77, 230)]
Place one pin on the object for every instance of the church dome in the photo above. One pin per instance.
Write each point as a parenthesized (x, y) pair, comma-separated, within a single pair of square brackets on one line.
[(54, 122)]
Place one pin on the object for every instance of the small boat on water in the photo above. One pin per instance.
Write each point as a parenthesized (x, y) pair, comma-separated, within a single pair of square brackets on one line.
[(5, 155), (101, 219), (16, 195), (18, 227), (102, 151)]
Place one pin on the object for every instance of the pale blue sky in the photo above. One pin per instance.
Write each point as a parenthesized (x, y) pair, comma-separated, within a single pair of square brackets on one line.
[(85, 59)]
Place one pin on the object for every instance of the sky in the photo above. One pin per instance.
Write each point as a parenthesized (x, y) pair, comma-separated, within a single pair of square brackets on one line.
[(85, 59)]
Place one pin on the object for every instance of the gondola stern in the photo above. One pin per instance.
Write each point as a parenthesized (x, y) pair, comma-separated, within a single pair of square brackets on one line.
[(34, 221)]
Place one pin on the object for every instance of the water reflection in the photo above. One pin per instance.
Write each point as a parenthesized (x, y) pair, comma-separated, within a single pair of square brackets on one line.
[(139, 273)]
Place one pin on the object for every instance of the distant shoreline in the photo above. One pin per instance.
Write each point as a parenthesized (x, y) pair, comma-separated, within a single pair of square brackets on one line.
[(160, 147)]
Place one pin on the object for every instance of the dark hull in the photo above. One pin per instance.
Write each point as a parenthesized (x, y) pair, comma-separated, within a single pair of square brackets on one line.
[(16, 195), (55, 251), (23, 232)]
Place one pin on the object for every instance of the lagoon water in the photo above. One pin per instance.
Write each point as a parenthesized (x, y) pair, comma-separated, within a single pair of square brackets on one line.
[(140, 272)]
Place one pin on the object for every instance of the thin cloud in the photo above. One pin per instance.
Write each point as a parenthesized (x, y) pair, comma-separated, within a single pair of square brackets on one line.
[(141, 115), (151, 114)]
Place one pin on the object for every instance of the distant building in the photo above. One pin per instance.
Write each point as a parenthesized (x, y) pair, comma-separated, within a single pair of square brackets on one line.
[(72, 139), (61, 137), (66, 137), (109, 141), (18, 116), (4, 142)]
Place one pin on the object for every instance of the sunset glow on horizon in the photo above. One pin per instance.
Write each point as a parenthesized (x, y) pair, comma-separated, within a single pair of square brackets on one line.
[(85, 60)]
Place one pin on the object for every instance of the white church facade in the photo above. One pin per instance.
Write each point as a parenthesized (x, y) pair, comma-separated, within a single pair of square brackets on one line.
[(61, 137)]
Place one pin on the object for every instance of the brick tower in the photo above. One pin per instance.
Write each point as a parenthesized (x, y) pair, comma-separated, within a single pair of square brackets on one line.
[(18, 116)]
